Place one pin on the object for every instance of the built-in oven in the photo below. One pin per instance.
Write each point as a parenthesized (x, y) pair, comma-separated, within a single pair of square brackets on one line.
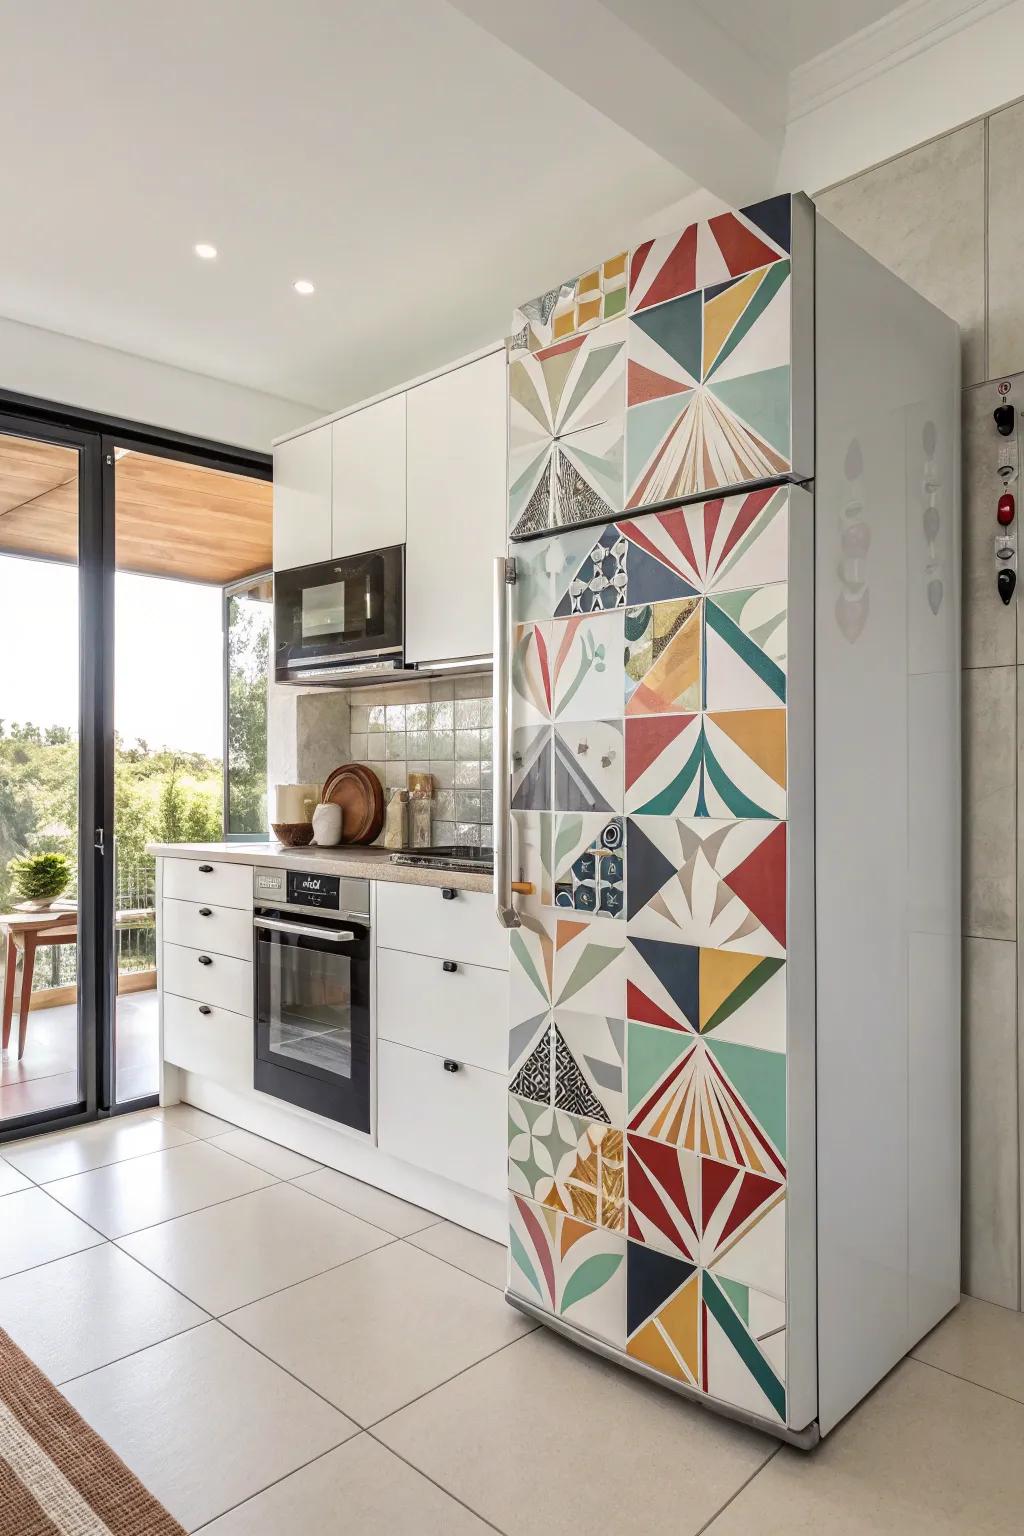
[(338, 619), (311, 940)]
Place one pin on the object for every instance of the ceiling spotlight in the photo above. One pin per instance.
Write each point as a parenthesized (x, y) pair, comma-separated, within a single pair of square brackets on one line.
[(304, 287), (206, 252)]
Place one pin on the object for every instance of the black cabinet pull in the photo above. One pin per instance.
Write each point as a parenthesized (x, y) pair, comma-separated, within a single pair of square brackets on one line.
[(205, 960), (449, 892), (205, 912), (450, 1066), (206, 869), (449, 966), (205, 1008)]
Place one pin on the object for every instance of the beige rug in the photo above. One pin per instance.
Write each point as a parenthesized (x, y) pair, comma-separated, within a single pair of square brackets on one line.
[(57, 1477)]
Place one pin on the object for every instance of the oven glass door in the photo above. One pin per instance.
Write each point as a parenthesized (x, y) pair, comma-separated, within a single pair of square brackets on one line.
[(339, 611), (313, 1019)]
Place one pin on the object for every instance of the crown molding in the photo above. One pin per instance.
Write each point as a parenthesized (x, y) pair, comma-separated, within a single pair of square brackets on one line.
[(911, 29)]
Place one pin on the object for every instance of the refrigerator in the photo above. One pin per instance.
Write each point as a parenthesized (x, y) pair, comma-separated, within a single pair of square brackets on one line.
[(727, 814)]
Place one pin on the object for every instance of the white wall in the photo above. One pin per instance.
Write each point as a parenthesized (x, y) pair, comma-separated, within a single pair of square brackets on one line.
[(73, 372)]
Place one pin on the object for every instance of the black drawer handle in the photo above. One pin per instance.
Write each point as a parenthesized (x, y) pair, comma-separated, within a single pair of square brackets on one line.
[(451, 1066), (205, 1008), (205, 911), (449, 892), (449, 966), (205, 960), (206, 869)]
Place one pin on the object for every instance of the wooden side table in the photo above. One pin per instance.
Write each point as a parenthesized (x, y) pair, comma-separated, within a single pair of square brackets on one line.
[(25, 932)]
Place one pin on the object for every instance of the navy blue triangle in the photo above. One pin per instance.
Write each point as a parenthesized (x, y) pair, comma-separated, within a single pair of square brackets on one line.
[(773, 217), (647, 869), (677, 967), (651, 1278), (649, 581)]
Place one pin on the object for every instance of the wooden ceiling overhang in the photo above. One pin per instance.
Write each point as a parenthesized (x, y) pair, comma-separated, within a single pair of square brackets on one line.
[(172, 519)]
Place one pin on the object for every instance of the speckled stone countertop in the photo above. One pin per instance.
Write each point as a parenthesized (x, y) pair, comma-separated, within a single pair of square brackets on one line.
[(364, 863)]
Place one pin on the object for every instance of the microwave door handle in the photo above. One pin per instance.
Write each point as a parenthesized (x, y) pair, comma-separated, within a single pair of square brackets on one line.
[(305, 931), (504, 577)]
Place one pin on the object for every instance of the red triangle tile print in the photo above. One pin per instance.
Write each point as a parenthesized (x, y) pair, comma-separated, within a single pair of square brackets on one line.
[(760, 883), (677, 275), (642, 1010), (646, 739), (645, 384), (740, 247)]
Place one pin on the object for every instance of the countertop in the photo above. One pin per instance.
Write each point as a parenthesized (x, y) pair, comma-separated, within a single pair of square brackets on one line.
[(362, 863)]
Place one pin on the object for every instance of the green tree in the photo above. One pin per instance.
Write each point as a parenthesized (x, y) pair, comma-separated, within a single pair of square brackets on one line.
[(171, 807), (248, 672)]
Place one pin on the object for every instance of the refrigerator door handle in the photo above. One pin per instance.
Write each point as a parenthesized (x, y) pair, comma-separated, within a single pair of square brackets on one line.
[(504, 578)]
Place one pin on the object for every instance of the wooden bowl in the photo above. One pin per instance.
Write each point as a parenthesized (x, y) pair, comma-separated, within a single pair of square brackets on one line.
[(293, 834)]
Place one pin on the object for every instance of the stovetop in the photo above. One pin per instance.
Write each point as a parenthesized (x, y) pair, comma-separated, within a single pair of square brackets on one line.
[(464, 857)]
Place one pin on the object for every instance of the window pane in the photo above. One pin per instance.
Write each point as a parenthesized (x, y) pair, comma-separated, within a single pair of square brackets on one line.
[(250, 621)]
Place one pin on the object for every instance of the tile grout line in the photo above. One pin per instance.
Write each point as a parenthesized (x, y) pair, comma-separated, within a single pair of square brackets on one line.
[(451, 1264), (733, 1496), (282, 1479), (420, 1472), (449, 1379), (130, 1158), (955, 1375)]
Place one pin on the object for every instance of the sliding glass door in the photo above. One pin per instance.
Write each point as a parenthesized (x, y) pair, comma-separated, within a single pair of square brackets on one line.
[(51, 755)]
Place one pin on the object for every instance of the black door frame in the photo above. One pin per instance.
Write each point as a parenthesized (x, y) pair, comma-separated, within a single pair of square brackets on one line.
[(97, 437)]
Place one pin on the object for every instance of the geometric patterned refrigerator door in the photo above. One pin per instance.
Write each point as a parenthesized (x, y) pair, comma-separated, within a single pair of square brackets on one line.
[(647, 1062)]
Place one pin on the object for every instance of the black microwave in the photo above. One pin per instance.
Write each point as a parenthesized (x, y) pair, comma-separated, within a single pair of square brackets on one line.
[(340, 618)]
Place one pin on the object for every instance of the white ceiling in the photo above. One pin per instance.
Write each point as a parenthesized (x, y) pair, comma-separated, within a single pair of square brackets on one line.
[(424, 176), (427, 165), (790, 32)]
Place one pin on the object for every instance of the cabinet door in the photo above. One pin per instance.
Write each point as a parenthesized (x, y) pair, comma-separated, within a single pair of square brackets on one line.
[(302, 500), (456, 510), (368, 503)]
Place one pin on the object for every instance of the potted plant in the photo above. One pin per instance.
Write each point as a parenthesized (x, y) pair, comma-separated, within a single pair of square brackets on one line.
[(39, 878)]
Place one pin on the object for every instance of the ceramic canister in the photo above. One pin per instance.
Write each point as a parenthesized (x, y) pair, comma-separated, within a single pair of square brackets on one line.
[(327, 820)]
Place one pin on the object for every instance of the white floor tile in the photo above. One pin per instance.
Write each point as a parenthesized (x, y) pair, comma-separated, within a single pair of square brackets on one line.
[(267, 1155), (35, 1229), (982, 1343), (65, 1153), (466, 1250), (379, 1495), (373, 1205), (195, 1121), (546, 1440), (11, 1179), (79, 1313), (380, 1331), (205, 1421), (231, 1254), (925, 1455), (125, 1197)]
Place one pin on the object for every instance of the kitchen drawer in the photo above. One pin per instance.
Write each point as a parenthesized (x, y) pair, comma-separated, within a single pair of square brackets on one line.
[(217, 930), (461, 1013), (206, 880), (451, 1123), (225, 981), (218, 1044), (419, 918)]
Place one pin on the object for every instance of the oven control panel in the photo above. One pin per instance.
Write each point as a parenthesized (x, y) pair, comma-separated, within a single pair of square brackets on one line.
[(311, 890)]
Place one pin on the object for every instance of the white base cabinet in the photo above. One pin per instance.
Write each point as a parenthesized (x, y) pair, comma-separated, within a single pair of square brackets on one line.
[(448, 1121)]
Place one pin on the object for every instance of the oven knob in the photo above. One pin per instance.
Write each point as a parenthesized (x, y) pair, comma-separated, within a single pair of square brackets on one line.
[(449, 966), (1003, 416), (449, 892), (1006, 581), (450, 1066), (1006, 509)]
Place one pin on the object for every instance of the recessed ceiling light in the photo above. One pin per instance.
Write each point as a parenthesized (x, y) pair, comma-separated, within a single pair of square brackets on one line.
[(304, 287), (206, 252)]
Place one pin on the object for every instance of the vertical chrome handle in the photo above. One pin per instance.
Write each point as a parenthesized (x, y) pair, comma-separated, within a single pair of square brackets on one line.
[(504, 577)]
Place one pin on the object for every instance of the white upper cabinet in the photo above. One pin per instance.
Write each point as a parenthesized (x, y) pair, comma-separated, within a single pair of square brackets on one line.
[(368, 501), (302, 500), (456, 510)]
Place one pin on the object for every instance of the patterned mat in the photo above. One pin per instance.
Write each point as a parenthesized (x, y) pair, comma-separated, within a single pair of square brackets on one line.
[(57, 1477)]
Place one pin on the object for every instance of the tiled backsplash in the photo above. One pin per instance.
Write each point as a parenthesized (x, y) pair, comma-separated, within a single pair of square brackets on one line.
[(442, 728)]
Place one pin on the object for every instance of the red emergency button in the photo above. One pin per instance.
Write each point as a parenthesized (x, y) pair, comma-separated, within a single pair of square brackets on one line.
[(1005, 510)]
